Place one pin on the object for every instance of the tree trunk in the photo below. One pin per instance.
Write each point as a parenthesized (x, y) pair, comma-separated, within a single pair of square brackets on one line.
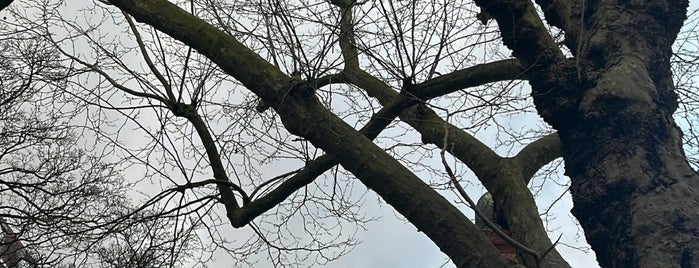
[(634, 193), (633, 190)]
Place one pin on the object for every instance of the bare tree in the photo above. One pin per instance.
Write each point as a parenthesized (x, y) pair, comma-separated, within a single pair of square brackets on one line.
[(339, 73), (63, 204)]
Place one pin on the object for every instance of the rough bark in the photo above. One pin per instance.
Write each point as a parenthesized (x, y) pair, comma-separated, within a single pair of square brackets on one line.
[(634, 193)]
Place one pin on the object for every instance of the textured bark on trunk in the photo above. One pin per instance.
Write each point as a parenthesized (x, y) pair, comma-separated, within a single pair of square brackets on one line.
[(634, 193)]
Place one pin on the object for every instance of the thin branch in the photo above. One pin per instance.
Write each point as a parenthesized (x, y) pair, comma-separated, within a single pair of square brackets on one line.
[(149, 62), (116, 84)]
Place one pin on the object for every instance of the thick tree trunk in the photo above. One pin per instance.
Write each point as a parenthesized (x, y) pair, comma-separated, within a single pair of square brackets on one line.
[(634, 192)]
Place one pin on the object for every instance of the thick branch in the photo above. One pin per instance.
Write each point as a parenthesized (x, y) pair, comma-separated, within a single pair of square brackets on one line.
[(347, 43), (475, 208), (557, 12), (429, 124), (315, 168), (525, 34), (477, 154), (549, 72), (503, 70), (477, 75), (501, 176), (301, 111), (537, 154)]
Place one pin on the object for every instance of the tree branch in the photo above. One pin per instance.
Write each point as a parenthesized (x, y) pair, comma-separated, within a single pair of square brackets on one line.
[(301, 111), (348, 45), (144, 52), (537, 154), (265, 80), (227, 197), (524, 33), (501, 176), (546, 67), (315, 168), (477, 75), (475, 208), (556, 12)]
